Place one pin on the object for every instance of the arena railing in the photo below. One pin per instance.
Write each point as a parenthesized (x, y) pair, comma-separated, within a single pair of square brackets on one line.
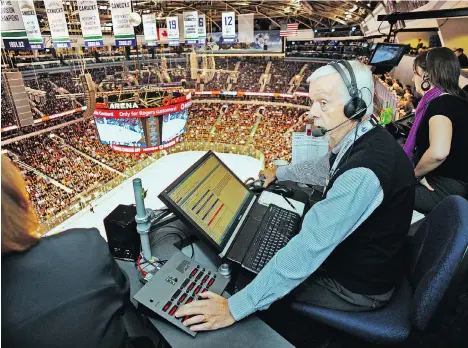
[(83, 202)]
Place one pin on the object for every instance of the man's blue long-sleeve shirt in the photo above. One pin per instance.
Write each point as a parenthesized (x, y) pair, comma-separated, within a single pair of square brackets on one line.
[(351, 200)]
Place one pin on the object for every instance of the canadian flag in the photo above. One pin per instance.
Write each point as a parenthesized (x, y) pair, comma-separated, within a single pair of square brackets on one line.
[(162, 33)]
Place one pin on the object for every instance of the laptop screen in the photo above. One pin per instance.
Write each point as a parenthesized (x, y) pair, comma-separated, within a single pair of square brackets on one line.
[(210, 197)]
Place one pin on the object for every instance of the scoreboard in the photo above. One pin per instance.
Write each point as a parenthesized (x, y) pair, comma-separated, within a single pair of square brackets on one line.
[(128, 128)]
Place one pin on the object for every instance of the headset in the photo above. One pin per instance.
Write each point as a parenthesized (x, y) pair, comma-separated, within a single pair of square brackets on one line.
[(356, 107)]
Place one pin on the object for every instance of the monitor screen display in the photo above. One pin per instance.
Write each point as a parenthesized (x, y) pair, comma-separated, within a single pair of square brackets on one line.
[(211, 196), (387, 54)]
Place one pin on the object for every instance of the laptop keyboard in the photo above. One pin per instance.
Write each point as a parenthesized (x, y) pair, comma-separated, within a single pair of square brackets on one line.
[(277, 228)]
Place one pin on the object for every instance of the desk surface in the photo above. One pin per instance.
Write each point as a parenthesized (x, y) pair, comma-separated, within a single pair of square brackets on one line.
[(250, 332)]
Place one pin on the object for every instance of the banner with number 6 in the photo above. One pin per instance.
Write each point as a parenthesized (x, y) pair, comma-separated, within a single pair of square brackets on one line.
[(173, 30), (201, 29), (229, 27)]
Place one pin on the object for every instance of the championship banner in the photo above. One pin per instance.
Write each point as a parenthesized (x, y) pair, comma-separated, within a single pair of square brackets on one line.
[(191, 27), (90, 23), (57, 23), (13, 32), (229, 27), (150, 29), (123, 29), (173, 30), (201, 29), (31, 24)]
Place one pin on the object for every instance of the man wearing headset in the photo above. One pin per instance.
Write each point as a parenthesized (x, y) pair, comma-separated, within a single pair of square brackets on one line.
[(348, 254)]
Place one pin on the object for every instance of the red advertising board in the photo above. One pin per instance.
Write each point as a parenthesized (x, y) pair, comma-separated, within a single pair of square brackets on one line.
[(138, 113)]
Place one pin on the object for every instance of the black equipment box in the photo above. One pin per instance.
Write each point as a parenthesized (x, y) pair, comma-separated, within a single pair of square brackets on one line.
[(122, 236)]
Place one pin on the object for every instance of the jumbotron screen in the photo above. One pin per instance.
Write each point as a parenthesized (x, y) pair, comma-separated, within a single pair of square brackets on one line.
[(121, 131), (173, 125), (130, 127)]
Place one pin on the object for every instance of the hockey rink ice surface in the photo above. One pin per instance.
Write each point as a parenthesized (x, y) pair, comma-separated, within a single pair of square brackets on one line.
[(155, 178)]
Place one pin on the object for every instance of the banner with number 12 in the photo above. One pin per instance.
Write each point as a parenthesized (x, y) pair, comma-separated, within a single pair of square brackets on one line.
[(229, 26)]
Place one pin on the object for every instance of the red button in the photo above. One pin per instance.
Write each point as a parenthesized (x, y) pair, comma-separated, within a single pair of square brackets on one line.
[(199, 276), (205, 278), (186, 317), (193, 273), (210, 282), (182, 298), (173, 310), (190, 287), (166, 306), (197, 290), (189, 300), (204, 290)]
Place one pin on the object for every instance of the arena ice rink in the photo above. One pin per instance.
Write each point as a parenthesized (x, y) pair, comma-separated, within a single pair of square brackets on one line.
[(155, 178)]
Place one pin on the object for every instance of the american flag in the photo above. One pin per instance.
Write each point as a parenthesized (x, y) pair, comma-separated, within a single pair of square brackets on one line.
[(289, 29)]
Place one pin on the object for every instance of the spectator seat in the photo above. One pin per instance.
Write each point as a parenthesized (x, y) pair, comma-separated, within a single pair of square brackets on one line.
[(438, 264)]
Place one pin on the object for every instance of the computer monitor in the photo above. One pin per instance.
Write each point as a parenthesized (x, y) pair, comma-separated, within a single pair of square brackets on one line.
[(386, 54), (210, 198)]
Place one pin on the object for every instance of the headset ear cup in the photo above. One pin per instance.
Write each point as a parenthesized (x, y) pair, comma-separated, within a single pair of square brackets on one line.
[(360, 105), (349, 109), (354, 105)]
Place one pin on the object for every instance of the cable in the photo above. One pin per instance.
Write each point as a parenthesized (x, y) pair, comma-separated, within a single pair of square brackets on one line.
[(148, 261), (139, 267), (378, 29), (354, 141)]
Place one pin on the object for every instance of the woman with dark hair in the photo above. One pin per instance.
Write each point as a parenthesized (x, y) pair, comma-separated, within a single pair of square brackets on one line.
[(438, 143), (63, 291)]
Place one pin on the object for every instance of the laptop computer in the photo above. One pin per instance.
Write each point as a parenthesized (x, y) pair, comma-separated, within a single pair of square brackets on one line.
[(222, 211)]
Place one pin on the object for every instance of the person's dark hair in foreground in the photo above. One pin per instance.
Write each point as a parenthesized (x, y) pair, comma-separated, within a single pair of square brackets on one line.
[(63, 291)]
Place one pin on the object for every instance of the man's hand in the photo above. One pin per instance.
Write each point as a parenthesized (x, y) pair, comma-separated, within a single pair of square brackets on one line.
[(212, 313), (426, 184), (269, 174)]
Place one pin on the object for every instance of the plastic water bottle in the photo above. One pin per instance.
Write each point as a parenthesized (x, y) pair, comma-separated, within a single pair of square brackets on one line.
[(225, 271)]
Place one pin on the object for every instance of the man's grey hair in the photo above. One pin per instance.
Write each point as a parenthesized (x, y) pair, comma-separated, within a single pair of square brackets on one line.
[(364, 81)]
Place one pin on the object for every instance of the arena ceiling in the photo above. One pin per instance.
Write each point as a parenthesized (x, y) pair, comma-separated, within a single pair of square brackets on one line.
[(269, 14)]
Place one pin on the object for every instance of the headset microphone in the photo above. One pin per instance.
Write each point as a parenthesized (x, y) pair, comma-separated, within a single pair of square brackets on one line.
[(320, 132)]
